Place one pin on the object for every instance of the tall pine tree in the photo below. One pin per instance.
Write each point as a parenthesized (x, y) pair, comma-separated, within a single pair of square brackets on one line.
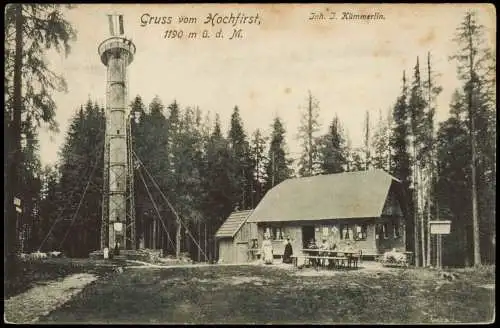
[(241, 150), (476, 67), (418, 134), (381, 157), (30, 30), (278, 166), (80, 187), (220, 183), (259, 159), (400, 159), (308, 129), (332, 149)]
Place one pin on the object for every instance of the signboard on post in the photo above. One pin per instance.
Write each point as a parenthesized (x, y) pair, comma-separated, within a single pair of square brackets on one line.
[(118, 226), (17, 201), (440, 227)]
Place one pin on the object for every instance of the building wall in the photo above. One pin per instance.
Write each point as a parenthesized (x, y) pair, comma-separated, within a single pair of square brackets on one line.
[(374, 243), (226, 250), (331, 231), (392, 214), (327, 229), (390, 241), (291, 230), (235, 250), (247, 232)]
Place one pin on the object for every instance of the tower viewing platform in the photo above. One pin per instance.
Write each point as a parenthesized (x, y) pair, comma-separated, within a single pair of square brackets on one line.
[(118, 47)]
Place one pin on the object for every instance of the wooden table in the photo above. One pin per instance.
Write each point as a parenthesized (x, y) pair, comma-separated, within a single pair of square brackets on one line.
[(332, 254)]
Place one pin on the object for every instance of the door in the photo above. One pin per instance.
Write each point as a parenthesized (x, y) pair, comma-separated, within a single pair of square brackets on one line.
[(225, 251), (307, 235), (241, 252)]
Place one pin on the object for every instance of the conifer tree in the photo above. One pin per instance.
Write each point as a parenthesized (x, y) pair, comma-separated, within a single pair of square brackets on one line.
[(418, 134), (259, 160), (220, 183), (241, 150), (476, 67), (308, 163), (400, 158), (278, 165), (48, 209), (333, 157), (366, 141), (380, 143), (80, 186), (28, 85)]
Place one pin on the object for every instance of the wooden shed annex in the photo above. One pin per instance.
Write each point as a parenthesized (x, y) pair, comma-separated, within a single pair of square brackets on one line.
[(233, 237)]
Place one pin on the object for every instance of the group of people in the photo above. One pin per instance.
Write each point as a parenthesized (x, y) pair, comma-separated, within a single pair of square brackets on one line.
[(325, 245), (267, 251)]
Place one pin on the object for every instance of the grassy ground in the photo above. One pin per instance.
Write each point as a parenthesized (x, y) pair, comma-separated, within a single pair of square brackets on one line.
[(40, 271), (266, 294)]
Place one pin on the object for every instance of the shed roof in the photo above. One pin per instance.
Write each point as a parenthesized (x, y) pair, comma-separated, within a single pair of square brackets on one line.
[(359, 194), (232, 224)]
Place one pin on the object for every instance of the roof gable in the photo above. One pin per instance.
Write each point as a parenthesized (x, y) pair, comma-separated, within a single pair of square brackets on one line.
[(232, 224), (392, 205), (359, 194)]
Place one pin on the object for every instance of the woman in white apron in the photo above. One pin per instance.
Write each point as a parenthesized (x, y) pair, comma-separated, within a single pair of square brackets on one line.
[(267, 250)]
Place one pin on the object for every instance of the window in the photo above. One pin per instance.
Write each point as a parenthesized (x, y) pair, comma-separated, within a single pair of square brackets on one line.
[(345, 232), (360, 232), (397, 232), (276, 233), (384, 231)]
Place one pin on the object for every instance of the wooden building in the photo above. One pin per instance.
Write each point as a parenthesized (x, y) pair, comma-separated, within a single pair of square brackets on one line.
[(234, 236), (366, 208)]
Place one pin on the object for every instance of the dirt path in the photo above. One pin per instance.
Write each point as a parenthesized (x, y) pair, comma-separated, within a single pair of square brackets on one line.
[(40, 300), (146, 265)]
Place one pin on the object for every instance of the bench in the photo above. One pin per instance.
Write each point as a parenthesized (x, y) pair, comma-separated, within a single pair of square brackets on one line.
[(338, 261), (255, 253)]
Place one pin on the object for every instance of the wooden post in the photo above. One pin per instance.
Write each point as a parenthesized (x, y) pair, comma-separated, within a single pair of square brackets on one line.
[(154, 234), (205, 237), (151, 236), (439, 254), (161, 238), (178, 240), (429, 262), (199, 241)]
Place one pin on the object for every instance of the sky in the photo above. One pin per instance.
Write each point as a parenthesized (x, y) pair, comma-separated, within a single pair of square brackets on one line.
[(350, 66)]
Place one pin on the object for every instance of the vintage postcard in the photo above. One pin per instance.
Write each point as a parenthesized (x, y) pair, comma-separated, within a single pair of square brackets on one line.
[(250, 163)]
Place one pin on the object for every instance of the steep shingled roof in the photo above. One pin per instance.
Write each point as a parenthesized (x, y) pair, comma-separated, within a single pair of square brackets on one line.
[(232, 224), (359, 194)]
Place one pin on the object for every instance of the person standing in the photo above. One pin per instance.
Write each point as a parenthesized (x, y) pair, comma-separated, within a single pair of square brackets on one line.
[(267, 250), (287, 255), (117, 248), (324, 247)]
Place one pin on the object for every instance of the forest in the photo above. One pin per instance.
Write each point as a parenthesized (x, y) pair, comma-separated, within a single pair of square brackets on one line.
[(448, 169)]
